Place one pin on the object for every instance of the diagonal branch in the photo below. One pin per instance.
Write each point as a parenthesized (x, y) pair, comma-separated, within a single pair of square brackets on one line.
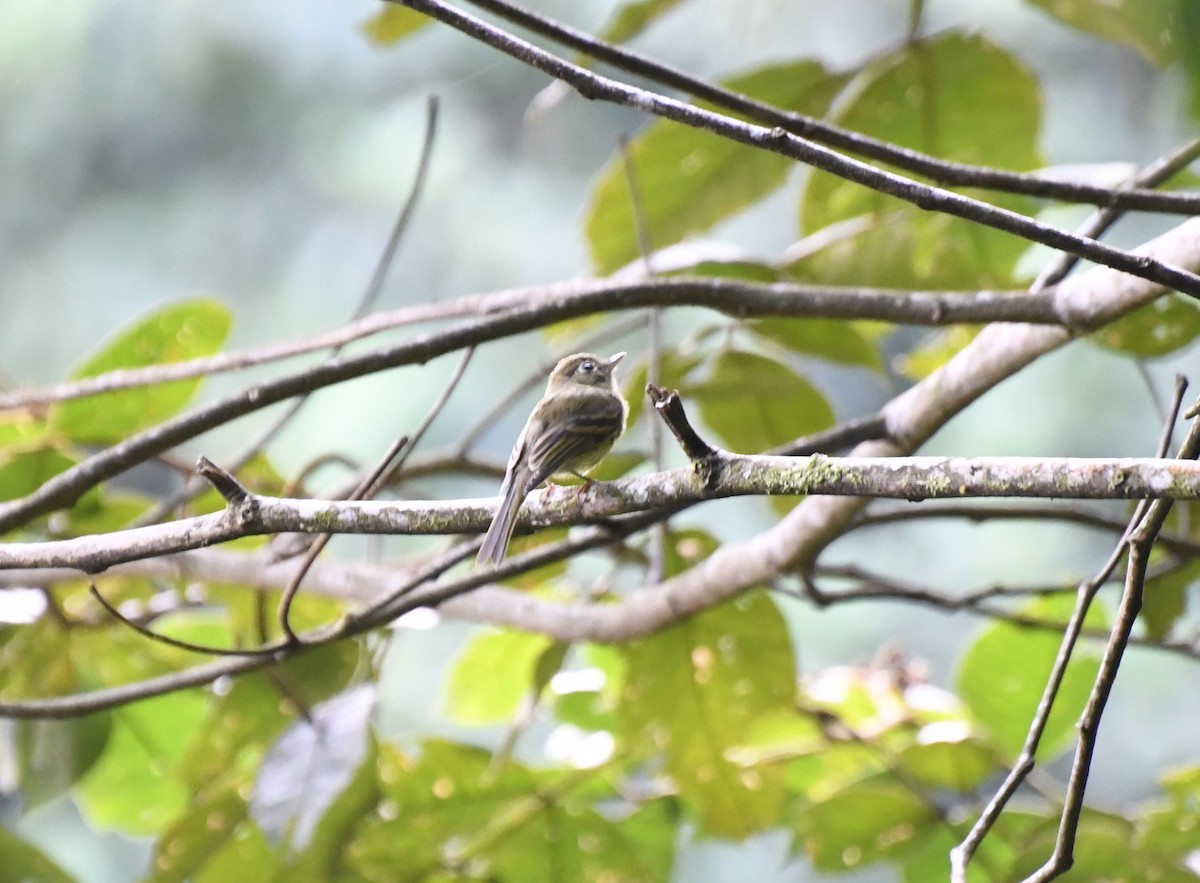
[(824, 132), (779, 140)]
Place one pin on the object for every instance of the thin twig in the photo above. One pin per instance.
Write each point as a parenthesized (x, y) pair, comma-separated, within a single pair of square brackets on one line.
[(366, 302), (1101, 220), (934, 168), (371, 484), (961, 855), (656, 551), (779, 140)]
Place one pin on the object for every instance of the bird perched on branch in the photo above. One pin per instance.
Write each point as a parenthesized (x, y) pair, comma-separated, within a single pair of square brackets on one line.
[(569, 431)]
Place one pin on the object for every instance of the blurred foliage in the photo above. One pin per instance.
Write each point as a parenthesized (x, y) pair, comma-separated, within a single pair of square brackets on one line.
[(710, 726)]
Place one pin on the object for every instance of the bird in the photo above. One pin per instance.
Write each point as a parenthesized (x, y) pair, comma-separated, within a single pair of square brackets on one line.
[(570, 430)]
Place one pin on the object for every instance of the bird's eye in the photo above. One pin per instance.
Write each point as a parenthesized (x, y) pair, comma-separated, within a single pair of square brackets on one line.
[(588, 366)]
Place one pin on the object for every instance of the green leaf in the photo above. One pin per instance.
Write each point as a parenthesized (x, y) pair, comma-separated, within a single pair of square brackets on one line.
[(185, 330), (935, 351), (23, 472), (1149, 26), (964, 765), (561, 844), (835, 340), (958, 97), (1003, 673), (689, 179), (133, 787), (754, 403), (632, 18), (1103, 850), (205, 827), (310, 764), (53, 754), (1165, 599), (24, 863), (1161, 327), (492, 675), (692, 692), (436, 809), (861, 824), (393, 23), (247, 854)]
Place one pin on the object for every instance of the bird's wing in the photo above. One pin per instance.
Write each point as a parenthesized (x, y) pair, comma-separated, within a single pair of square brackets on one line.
[(556, 448)]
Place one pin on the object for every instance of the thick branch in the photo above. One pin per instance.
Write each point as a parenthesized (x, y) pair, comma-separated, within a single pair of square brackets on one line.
[(726, 475)]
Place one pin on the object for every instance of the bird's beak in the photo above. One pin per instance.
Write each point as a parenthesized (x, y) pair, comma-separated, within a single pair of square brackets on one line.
[(612, 360)]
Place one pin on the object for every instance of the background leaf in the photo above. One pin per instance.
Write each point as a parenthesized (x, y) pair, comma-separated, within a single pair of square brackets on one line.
[(180, 331), (492, 675), (691, 693), (23, 863), (754, 403), (1161, 327), (631, 19), (310, 764), (938, 96), (1149, 26), (1002, 674), (690, 179)]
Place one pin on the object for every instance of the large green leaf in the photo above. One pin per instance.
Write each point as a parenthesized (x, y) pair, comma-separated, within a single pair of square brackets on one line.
[(689, 179), (24, 863), (861, 824), (692, 692), (23, 472), (134, 787), (185, 330), (492, 675), (53, 754), (754, 403), (957, 97), (1149, 26), (1003, 673), (204, 829), (962, 765), (1165, 598), (437, 806), (562, 845)]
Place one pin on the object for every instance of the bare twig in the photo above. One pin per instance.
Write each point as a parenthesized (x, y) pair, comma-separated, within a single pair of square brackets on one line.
[(1100, 221), (940, 170), (369, 296), (371, 485), (656, 551), (734, 297), (780, 140), (961, 855)]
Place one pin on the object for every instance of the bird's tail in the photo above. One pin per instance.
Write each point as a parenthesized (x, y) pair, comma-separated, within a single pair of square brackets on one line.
[(495, 541)]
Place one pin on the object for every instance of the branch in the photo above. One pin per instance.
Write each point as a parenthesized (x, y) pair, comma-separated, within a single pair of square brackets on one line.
[(779, 140), (580, 297), (555, 303), (824, 132), (723, 475)]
